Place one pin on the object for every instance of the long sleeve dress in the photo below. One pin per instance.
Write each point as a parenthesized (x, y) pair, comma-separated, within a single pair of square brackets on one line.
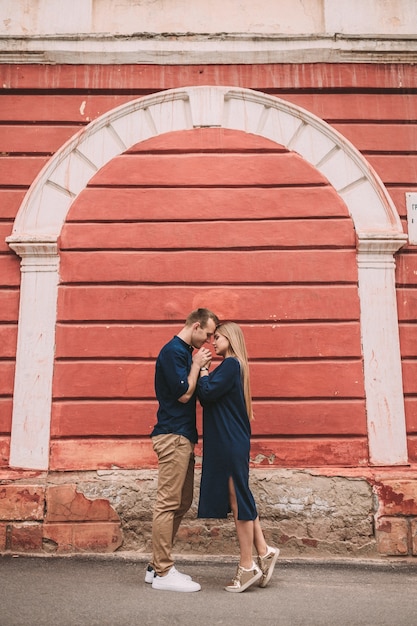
[(226, 443)]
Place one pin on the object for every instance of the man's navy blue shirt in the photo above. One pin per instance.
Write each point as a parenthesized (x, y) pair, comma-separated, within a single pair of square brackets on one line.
[(171, 382)]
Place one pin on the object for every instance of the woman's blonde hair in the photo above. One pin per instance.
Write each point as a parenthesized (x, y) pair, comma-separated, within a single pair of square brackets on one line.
[(237, 348)]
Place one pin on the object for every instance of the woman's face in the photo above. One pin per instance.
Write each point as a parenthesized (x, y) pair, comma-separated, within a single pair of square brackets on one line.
[(220, 344)]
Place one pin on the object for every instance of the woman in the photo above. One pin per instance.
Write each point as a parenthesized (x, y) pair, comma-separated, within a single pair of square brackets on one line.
[(227, 410)]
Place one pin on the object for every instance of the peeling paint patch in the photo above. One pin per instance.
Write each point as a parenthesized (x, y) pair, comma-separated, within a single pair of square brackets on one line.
[(397, 497)]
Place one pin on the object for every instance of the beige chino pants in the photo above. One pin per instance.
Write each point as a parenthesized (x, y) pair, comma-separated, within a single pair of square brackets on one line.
[(174, 496)]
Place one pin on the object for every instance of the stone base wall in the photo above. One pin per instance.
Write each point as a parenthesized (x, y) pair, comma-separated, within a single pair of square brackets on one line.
[(104, 511), (302, 512)]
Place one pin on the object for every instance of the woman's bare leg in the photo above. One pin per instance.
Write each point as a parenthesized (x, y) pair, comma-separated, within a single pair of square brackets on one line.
[(244, 530), (248, 533), (259, 539)]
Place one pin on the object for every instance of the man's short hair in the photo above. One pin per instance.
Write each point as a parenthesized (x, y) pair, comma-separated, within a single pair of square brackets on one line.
[(202, 316)]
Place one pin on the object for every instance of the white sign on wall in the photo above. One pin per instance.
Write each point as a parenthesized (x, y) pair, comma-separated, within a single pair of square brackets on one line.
[(411, 202)]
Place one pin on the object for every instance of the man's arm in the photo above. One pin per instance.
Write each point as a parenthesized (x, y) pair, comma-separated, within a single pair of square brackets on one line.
[(200, 359)]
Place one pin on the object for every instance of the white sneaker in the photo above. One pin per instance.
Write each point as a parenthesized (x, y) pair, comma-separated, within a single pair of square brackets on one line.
[(150, 574), (174, 581)]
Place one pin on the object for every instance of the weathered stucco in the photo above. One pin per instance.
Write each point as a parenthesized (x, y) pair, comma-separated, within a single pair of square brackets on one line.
[(300, 512), (154, 31), (305, 513), (289, 17)]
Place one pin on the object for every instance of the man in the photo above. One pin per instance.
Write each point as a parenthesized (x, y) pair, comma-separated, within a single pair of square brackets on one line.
[(173, 439)]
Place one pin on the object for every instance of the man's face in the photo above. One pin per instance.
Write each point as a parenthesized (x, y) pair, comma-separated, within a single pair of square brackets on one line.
[(202, 335)]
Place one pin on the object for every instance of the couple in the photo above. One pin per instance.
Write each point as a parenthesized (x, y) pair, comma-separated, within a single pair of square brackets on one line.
[(180, 376)]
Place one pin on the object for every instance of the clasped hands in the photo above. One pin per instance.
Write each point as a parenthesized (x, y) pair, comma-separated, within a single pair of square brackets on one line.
[(203, 357)]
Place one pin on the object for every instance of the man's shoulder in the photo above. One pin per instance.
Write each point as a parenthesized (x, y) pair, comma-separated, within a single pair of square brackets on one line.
[(170, 345), (174, 346)]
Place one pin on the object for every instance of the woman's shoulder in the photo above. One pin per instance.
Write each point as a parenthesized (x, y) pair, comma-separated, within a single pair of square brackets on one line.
[(229, 366), (232, 363)]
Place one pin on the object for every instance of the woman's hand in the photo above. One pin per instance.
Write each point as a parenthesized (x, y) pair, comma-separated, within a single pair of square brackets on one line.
[(204, 371)]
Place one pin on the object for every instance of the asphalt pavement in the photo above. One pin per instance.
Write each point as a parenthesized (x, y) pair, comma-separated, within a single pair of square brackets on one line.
[(110, 591)]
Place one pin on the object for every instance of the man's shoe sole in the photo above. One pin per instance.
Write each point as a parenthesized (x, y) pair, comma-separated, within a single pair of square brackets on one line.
[(180, 588)]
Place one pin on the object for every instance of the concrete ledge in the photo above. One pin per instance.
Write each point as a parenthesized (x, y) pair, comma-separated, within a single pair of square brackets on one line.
[(207, 49), (403, 564)]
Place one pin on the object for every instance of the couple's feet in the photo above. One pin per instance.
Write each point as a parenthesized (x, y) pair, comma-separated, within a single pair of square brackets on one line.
[(244, 578), (261, 572), (172, 581)]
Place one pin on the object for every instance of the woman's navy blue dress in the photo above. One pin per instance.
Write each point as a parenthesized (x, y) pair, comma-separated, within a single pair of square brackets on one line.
[(226, 443)]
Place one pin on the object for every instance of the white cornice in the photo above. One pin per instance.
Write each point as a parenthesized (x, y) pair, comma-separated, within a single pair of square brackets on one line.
[(194, 49)]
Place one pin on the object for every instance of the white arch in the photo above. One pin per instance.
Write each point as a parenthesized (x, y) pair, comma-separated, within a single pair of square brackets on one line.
[(44, 209)]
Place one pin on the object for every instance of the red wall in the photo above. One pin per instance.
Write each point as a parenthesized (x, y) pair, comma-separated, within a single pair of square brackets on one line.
[(207, 212), (233, 221)]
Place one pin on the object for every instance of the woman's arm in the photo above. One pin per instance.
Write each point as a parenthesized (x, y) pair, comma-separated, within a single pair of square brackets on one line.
[(219, 382)]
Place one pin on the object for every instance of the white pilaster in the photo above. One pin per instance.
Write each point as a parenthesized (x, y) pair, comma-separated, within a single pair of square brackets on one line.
[(381, 349), (35, 354)]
